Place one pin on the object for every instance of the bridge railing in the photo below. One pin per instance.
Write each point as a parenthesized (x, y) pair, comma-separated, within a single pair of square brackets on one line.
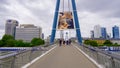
[(19, 58), (104, 58)]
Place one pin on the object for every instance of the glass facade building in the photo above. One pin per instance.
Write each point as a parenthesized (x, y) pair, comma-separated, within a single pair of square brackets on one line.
[(103, 32), (115, 31), (92, 34)]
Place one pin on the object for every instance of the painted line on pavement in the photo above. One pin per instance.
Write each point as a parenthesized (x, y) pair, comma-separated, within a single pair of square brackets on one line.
[(98, 65), (28, 64)]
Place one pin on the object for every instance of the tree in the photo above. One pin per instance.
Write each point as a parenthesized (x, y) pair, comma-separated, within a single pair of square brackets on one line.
[(1, 43), (5, 39), (10, 43), (116, 44), (91, 42), (26, 44), (87, 42), (108, 43), (19, 43), (37, 41)]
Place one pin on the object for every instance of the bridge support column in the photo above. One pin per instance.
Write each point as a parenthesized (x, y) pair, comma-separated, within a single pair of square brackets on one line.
[(78, 33), (55, 22)]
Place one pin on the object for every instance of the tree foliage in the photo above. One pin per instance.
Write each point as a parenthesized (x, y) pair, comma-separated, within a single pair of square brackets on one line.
[(1, 43), (7, 37), (37, 41), (91, 42), (8, 41), (108, 43)]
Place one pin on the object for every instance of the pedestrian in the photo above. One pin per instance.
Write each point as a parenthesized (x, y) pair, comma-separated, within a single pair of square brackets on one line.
[(69, 41), (63, 42), (60, 42)]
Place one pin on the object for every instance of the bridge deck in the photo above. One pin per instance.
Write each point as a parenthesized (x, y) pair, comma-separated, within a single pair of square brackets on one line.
[(64, 57)]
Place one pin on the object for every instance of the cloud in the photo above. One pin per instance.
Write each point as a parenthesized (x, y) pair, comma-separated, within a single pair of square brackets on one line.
[(41, 13), (1, 33), (109, 8)]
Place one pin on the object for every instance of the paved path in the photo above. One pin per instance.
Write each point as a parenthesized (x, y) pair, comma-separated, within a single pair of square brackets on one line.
[(64, 57)]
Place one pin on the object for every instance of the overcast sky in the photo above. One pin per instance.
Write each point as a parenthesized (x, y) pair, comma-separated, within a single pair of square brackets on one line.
[(41, 12)]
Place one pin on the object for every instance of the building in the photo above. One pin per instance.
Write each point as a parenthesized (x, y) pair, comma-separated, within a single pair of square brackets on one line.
[(108, 35), (92, 34), (10, 27), (115, 31), (103, 32), (42, 35), (27, 32), (97, 31)]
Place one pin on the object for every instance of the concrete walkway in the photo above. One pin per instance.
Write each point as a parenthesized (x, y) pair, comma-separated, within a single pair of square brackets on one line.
[(64, 57)]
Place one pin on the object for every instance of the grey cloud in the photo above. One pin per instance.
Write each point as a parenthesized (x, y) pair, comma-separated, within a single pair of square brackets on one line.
[(105, 8), (2, 2), (2, 8), (2, 27), (42, 14), (111, 7)]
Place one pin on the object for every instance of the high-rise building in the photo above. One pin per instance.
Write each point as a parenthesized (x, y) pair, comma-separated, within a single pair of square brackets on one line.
[(42, 35), (27, 32), (10, 27), (97, 31), (115, 31), (92, 34), (103, 32)]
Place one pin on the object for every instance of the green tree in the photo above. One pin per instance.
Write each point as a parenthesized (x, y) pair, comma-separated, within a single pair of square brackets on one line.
[(26, 44), (87, 42), (108, 43), (116, 44), (93, 43), (10, 43), (90, 42), (1, 43), (19, 43), (37, 41), (5, 39)]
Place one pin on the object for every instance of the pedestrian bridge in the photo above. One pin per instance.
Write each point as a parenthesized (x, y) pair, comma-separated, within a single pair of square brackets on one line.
[(66, 56), (55, 56)]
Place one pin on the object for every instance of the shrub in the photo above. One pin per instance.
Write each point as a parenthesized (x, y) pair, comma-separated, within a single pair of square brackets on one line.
[(108, 43), (90, 42), (37, 41)]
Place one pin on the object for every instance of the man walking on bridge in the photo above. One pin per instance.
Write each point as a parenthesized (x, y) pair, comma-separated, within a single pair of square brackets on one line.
[(60, 42)]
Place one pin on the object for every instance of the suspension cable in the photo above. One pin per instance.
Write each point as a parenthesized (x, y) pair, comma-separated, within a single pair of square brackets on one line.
[(69, 11), (69, 5), (63, 5)]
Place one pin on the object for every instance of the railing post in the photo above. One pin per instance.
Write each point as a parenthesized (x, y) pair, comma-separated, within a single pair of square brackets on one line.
[(13, 62), (30, 55), (112, 62)]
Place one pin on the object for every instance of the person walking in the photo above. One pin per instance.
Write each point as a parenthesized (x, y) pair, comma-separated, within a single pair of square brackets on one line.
[(60, 42), (69, 41), (63, 42)]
